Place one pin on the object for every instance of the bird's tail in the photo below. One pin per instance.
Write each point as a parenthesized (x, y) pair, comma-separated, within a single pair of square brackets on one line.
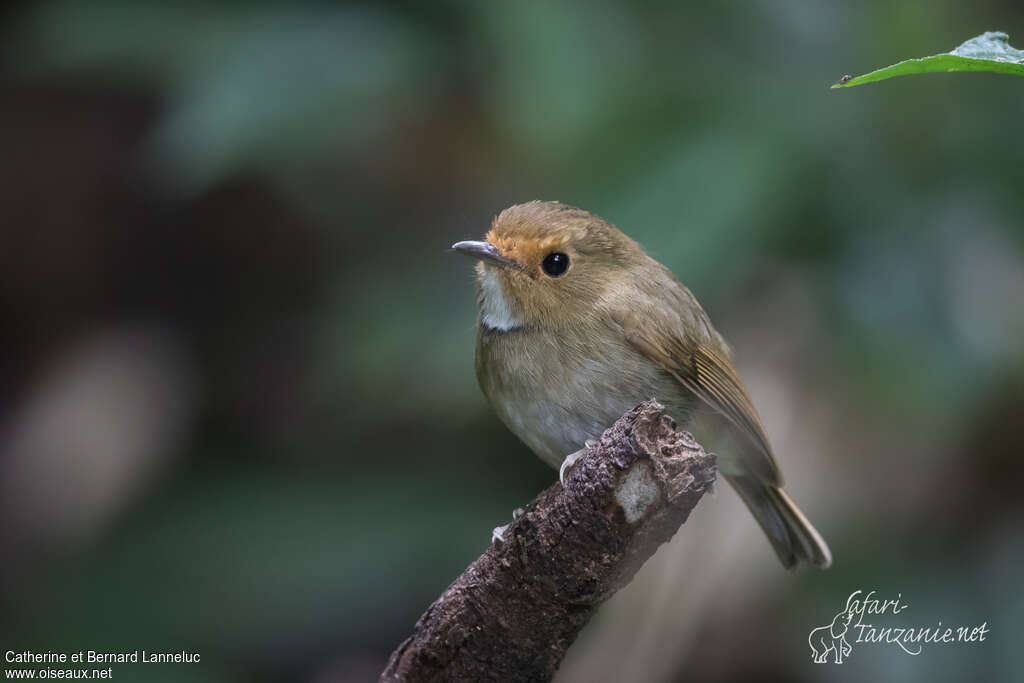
[(791, 534)]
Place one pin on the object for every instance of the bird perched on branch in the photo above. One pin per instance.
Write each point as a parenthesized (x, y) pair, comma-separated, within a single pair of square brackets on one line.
[(577, 325)]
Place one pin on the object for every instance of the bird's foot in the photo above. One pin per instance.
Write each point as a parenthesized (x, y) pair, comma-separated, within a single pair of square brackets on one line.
[(498, 535), (573, 458)]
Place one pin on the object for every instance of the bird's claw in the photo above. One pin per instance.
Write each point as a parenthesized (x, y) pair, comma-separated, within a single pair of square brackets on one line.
[(498, 535), (572, 459)]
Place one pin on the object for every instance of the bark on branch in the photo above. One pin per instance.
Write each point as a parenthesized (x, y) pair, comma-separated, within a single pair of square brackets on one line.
[(516, 609)]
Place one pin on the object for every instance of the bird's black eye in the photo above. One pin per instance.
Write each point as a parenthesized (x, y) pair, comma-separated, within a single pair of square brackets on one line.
[(555, 263)]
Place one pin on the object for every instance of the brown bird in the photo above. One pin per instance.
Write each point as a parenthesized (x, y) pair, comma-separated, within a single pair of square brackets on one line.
[(577, 325)]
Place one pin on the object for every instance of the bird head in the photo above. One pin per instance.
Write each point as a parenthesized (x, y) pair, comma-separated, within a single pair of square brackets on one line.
[(547, 264)]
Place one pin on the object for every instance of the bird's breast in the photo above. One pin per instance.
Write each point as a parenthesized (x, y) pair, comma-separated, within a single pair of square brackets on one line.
[(557, 390)]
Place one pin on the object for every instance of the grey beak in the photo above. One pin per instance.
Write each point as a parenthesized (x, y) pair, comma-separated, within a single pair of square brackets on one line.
[(486, 252)]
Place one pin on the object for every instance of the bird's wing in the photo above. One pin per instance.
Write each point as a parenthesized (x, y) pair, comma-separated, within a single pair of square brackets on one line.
[(703, 366)]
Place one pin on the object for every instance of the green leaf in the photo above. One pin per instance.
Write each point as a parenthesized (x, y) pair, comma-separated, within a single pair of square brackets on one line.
[(988, 52)]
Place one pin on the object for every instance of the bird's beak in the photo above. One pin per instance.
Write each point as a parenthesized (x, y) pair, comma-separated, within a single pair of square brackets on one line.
[(486, 252)]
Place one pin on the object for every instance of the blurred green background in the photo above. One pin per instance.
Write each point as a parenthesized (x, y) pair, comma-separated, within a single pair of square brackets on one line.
[(238, 413)]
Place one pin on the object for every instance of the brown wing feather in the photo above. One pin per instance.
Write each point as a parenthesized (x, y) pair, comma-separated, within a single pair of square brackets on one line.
[(716, 376), (707, 372)]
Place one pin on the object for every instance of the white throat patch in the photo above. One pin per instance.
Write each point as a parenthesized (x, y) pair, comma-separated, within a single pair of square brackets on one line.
[(494, 309)]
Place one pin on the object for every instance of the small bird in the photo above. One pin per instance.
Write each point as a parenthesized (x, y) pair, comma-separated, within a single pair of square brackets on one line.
[(577, 325)]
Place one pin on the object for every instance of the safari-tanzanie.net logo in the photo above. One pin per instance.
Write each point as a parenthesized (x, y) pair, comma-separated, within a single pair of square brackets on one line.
[(865, 620)]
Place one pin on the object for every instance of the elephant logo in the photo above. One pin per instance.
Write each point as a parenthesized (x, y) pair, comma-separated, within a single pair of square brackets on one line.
[(832, 638)]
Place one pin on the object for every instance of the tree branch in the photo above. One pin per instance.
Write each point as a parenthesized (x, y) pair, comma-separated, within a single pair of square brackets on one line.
[(515, 610)]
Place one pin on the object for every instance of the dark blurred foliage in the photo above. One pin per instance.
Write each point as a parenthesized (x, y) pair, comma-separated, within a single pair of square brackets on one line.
[(237, 406)]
